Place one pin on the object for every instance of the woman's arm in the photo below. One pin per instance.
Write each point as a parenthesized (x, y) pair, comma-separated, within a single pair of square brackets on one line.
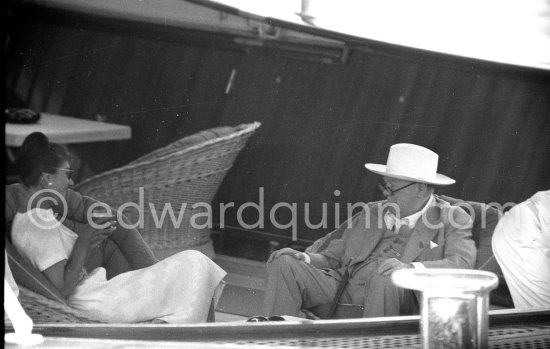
[(65, 274), (77, 206)]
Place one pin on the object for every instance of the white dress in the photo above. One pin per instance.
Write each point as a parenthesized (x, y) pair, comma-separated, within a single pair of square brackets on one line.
[(178, 289), (521, 245)]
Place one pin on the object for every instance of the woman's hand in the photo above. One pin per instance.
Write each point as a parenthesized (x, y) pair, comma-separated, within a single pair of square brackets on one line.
[(289, 251), (66, 274), (92, 237)]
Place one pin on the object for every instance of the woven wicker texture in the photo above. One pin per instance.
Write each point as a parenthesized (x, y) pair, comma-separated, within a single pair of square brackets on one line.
[(43, 310), (173, 178)]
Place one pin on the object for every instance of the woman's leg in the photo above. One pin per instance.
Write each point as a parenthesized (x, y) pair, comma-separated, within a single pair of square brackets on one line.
[(178, 289), (123, 251), (108, 256), (133, 247)]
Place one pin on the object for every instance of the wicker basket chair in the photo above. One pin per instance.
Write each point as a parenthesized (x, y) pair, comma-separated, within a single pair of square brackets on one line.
[(42, 302), (171, 180), (43, 310)]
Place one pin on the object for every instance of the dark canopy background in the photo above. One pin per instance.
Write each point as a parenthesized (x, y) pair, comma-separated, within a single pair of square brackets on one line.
[(490, 123)]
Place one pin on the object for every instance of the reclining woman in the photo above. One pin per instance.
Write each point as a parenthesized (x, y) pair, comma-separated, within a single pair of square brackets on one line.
[(178, 289)]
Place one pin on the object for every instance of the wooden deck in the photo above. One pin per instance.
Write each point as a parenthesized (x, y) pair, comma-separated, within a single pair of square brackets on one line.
[(244, 291)]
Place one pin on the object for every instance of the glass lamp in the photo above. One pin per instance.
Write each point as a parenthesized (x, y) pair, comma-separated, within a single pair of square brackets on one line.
[(455, 304)]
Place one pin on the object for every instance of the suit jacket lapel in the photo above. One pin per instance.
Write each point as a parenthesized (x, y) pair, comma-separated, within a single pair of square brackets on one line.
[(424, 231)]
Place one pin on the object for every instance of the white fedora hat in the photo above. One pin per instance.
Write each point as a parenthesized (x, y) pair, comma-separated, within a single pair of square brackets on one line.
[(413, 163)]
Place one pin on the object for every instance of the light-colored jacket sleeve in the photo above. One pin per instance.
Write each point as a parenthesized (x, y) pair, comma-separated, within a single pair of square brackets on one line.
[(458, 249), (327, 251)]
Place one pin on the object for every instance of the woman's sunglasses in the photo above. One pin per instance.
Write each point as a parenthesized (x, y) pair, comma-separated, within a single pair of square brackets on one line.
[(263, 318), (68, 172)]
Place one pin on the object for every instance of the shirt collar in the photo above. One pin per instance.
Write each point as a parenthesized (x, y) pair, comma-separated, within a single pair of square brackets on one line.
[(392, 221)]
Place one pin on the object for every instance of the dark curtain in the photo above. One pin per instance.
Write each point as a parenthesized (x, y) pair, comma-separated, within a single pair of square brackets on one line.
[(320, 122)]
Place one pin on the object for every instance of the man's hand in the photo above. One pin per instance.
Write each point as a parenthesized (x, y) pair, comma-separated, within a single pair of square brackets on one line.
[(287, 250), (390, 265)]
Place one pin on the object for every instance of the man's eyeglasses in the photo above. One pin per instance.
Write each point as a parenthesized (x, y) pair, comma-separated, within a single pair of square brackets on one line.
[(385, 187), (67, 171), (263, 318)]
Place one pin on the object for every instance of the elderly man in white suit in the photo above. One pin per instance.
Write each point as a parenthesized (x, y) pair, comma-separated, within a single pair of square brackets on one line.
[(412, 228)]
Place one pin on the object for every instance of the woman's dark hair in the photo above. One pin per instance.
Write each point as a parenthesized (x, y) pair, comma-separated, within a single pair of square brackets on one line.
[(37, 155)]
